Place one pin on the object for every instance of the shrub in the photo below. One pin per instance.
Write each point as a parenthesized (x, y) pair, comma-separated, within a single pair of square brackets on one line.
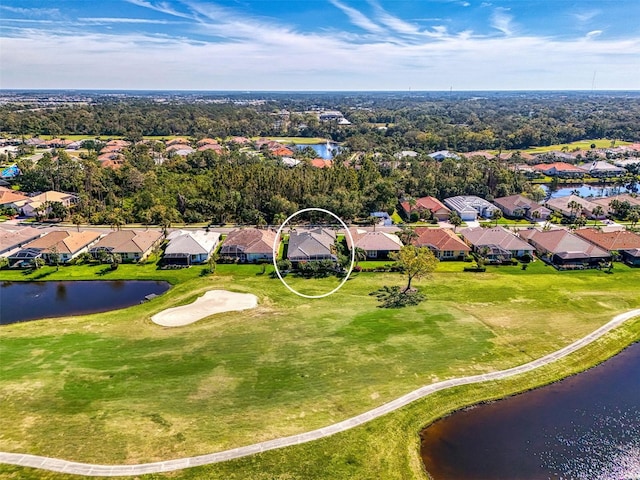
[(476, 268), (395, 297)]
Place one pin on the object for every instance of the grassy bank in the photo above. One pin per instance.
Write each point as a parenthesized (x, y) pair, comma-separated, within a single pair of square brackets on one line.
[(145, 393)]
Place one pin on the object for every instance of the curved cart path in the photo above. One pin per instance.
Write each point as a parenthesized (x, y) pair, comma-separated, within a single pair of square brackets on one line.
[(64, 466)]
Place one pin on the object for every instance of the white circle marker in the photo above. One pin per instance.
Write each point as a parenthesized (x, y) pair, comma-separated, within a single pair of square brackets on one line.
[(276, 243)]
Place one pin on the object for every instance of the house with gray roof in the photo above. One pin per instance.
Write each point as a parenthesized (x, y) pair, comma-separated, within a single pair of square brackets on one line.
[(12, 239), (496, 243), (188, 247), (469, 207), (311, 245), (564, 249), (562, 205)]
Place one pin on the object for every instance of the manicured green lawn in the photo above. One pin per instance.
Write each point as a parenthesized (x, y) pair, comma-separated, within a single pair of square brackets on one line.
[(115, 388)]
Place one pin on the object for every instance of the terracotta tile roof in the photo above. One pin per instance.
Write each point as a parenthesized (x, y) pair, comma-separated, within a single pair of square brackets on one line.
[(248, 240), (129, 241), (281, 151), (619, 240), (321, 163), (179, 147), (563, 243), (441, 239), (207, 141), (178, 141), (210, 146), (426, 203), (9, 196), (370, 241), (558, 166), (64, 241)]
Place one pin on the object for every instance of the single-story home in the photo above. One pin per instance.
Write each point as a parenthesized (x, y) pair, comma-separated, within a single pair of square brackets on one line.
[(518, 206), (311, 245), (12, 199), (188, 247), (375, 244), (131, 245), (563, 205), (559, 169), (444, 154), (30, 208), (600, 168), (436, 207), (13, 238), (497, 243), (564, 249), (444, 243), (66, 244), (623, 241), (249, 245), (469, 207)]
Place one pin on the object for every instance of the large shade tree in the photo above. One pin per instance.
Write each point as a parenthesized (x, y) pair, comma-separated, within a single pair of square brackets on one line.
[(416, 262)]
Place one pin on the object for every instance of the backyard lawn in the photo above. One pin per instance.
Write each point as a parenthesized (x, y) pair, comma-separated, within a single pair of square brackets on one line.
[(116, 388)]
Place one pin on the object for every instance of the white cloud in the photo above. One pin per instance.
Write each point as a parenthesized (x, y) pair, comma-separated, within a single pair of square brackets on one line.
[(162, 7), (594, 33), (358, 18), (502, 21), (394, 23), (40, 12), (586, 16), (296, 61), (123, 20)]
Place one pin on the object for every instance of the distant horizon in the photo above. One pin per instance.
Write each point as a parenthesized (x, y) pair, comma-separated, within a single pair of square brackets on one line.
[(320, 45)]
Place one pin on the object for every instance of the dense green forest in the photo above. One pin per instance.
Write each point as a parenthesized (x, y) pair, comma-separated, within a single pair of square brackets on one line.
[(240, 186)]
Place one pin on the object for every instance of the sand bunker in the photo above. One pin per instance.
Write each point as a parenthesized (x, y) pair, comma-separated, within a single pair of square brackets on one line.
[(214, 301)]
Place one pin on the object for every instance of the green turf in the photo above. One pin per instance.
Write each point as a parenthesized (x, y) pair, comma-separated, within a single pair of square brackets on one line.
[(114, 387)]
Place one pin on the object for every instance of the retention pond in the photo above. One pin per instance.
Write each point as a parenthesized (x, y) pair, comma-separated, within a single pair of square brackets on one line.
[(23, 301), (585, 427)]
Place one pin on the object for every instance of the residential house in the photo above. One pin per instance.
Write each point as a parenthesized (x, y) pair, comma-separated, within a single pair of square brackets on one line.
[(563, 249), (563, 205), (67, 245), (321, 163), (376, 244), (131, 245), (560, 169), (31, 208), (311, 245), (444, 243), (469, 207), (496, 243), (443, 154), (436, 208), (517, 206), (249, 245), (623, 197), (188, 247), (13, 238), (385, 218), (602, 169), (626, 243), (11, 199)]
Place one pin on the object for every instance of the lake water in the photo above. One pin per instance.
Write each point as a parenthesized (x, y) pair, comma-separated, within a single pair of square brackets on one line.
[(585, 191), (586, 427), (22, 301), (324, 150)]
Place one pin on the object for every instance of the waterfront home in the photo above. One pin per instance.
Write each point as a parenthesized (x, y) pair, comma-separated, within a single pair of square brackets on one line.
[(376, 244), (63, 244), (434, 206), (469, 207), (249, 245), (574, 205), (564, 249), (444, 243), (600, 168), (188, 247), (632, 200), (13, 238), (131, 245), (496, 243), (311, 245), (626, 243), (517, 206), (559, 169)]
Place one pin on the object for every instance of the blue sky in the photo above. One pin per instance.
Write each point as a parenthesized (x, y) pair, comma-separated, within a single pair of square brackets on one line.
[(320, 44)]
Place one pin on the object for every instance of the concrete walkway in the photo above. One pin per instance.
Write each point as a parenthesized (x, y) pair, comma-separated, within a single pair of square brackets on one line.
[(64, 466)]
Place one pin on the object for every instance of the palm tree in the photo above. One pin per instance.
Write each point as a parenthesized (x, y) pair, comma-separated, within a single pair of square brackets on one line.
[(597, 212), (360, 255), (496, 215), (407, 235), (455, 220)]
